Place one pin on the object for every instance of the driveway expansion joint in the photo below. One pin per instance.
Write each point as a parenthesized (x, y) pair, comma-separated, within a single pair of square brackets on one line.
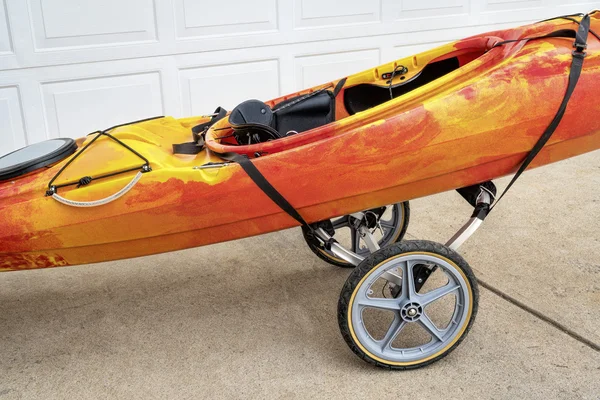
[(540, 315)]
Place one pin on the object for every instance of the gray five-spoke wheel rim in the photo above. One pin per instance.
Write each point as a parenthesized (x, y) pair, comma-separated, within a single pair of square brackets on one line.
[(406, 303)]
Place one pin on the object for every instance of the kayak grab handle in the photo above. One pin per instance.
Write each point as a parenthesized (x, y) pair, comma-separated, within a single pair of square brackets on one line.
[(99, 202)]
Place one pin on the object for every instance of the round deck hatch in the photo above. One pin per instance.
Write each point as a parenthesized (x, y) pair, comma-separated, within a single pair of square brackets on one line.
[(37, 155)]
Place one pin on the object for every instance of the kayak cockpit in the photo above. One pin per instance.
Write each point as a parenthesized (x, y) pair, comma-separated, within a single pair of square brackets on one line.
[(367, 95), (257, 128)]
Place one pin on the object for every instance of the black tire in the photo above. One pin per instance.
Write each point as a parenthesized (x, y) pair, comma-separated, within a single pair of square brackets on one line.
[(371, 263), (331, 259)]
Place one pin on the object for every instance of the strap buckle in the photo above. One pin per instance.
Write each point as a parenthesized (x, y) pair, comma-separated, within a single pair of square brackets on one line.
[(579, 49)]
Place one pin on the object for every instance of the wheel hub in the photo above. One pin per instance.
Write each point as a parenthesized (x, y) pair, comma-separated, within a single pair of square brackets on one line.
[(411, 312)]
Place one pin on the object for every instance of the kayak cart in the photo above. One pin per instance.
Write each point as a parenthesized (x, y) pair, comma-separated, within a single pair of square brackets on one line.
[(407, 303)]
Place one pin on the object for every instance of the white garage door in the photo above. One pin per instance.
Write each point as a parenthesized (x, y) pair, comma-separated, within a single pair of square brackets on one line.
[(68, 67)]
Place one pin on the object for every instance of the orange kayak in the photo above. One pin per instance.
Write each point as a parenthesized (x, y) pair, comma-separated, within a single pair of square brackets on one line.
[(460, 114)]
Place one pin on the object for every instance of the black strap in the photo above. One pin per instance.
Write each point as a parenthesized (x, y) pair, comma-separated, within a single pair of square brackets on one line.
[(263, 184), (339, 86), (580, 45), (187, 148), (198, 132)]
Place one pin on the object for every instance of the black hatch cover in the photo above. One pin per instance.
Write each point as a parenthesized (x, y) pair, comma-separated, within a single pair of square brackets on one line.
[(35, 156)]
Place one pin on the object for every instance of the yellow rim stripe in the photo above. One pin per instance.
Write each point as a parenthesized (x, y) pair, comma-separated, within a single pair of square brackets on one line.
[(374, 357)]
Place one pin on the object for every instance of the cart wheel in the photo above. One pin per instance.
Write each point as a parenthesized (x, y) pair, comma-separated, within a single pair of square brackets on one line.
[(394, 222), (390, 322)]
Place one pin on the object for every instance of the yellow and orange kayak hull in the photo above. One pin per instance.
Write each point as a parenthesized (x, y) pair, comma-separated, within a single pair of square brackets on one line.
[(474, 124)]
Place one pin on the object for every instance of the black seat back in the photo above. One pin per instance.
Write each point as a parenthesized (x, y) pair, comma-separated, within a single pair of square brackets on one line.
[(298, 114), (254, 122)]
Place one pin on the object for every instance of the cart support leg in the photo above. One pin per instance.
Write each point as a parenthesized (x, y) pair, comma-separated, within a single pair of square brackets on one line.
[(369, 239), (482, 209), (338, 249)]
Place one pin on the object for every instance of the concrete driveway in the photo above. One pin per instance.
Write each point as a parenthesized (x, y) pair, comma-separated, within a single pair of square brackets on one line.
[(256, 318)]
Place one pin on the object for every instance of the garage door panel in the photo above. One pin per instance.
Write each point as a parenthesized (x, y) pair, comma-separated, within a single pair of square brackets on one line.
[(426, 15), (201, 18), (520, 11), (511, 5), (402, 51), (5, 37), (320, 13), (77, 107), (319, 68), (12, 127), (431, 8), (207, 87), (577, 6), (59, 24)]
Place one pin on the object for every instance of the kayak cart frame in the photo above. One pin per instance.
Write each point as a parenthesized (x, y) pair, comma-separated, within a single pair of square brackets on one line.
[(482, 208)]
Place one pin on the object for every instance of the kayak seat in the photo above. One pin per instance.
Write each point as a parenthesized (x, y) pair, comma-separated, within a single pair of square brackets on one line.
[(255, 122), (252, 122)]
